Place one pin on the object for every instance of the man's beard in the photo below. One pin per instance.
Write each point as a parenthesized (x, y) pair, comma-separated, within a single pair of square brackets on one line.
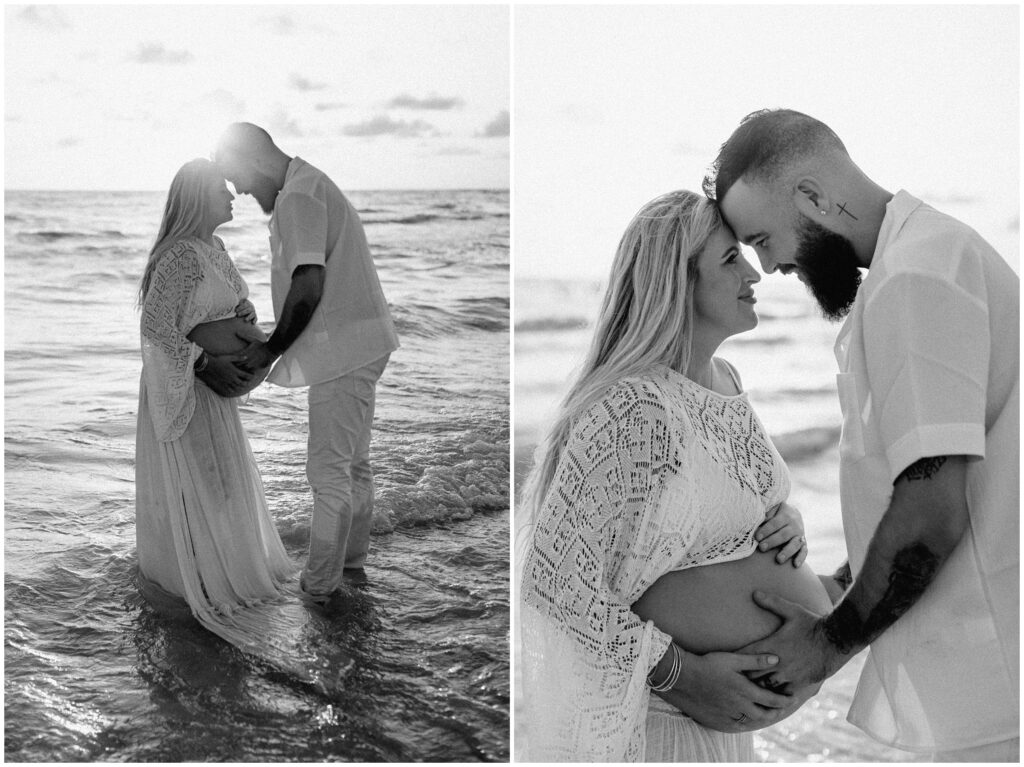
[(267, 192), (830, 268)]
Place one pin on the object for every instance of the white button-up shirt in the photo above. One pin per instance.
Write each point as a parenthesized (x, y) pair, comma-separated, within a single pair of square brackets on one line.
[(313, 223), (928, 361)]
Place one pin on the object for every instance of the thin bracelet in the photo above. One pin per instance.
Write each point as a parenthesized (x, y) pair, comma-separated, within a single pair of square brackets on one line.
[(673, 674), (201, 363)]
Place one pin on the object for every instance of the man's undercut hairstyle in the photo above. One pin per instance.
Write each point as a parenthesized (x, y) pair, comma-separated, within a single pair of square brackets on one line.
[(764, 145)]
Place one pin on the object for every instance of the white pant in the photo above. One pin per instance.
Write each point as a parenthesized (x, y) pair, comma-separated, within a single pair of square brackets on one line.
[(338, 470)]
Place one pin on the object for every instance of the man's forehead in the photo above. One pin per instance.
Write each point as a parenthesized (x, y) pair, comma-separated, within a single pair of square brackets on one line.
[(744, 207)]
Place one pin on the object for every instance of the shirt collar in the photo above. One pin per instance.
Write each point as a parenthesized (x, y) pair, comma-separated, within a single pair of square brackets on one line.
[(897, 211)]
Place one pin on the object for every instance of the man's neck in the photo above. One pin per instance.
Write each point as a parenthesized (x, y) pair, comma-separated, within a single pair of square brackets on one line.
[(873, 204)]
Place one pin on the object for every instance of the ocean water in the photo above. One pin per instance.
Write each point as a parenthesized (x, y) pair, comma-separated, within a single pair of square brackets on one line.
[(788, 367), (92, 673)]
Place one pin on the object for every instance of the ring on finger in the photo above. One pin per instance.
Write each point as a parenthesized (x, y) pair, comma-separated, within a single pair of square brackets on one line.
[(740, 719)]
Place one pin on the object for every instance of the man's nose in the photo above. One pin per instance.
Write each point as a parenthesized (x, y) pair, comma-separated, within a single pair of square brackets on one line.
[(768, 264)]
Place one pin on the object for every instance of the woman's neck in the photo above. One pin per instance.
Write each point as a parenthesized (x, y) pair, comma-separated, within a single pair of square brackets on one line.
[(701, 368), (205, 233), (701, 373)]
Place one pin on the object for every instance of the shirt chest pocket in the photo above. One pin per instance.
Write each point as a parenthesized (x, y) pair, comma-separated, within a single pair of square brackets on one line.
[(851, 444)]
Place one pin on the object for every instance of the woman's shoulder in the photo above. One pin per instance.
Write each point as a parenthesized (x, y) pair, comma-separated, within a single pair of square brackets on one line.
[(184, 249), (645, 395), (728, 370)]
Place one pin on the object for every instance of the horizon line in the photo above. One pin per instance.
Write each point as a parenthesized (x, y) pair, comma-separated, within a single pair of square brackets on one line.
[(350, 189)]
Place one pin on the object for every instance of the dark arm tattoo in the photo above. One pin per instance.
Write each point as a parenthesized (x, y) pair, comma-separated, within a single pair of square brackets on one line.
[(913, 568), (842, 210), (924, 468), (843, 576)]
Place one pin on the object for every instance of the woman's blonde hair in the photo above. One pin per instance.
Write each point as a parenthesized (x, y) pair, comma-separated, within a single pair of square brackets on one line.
[(646, 317), (183, 212)]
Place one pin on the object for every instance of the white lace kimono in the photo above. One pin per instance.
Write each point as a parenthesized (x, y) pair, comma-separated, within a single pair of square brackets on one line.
[(659, 475), (203, 529)]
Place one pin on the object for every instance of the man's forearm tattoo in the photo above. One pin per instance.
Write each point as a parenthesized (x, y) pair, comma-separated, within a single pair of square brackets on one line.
[(924, 468), (842, 210), (913, 568)]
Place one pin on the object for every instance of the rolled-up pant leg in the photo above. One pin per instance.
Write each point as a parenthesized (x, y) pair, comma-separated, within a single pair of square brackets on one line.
[(339, 473)]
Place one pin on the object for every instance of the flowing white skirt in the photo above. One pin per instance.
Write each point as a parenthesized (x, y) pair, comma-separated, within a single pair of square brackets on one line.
[(204, 532), (674, 737)]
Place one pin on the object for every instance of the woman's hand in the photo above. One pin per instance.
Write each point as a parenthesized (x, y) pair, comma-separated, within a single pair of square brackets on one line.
[(226, 378), (714, 691), (783, 529), (246, 310)]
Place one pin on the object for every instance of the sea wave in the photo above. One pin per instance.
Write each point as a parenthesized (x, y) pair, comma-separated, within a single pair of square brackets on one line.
[(429, 321), (552, 324), (805, 444)]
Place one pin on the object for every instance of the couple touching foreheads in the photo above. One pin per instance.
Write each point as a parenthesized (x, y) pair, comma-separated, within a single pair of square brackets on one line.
[(206, 539), (666, 610)]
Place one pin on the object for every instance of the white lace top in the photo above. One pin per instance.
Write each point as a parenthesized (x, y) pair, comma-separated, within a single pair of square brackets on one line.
[(659, 475), (192, 283)]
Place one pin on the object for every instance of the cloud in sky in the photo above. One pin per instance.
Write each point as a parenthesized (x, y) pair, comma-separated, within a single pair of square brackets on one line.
[(300, 83), (44, 17), (498, 127), (405, 101), (156, 53), (69, 141), (382, 125), (280, 25), (330, 106)]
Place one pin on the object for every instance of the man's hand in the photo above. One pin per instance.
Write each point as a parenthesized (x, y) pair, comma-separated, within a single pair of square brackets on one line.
[(257, 356), (806, 656), (224, 376), (714, 691)]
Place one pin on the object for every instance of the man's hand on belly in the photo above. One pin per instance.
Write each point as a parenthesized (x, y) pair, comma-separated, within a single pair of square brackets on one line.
[(806, 657)]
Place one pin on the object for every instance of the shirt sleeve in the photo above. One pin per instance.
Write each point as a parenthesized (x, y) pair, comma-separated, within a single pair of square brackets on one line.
[(302, 224), (585, 653), (167, 354), (927, 345), (608, 479)]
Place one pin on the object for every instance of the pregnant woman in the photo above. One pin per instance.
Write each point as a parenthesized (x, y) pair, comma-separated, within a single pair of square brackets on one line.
[(205, 536), (646, 508)]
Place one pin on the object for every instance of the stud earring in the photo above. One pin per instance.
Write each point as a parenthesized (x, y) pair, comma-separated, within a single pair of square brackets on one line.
[(822, 212)]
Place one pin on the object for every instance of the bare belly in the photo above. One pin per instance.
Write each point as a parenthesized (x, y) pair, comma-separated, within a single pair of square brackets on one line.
[(226, 336), (711, 608)]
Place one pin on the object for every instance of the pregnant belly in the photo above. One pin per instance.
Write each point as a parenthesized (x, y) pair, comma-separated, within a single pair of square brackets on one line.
[(226, 336), (711, 608)]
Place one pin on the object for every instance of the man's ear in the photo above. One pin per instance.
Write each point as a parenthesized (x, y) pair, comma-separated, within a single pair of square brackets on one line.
[(810, 197)]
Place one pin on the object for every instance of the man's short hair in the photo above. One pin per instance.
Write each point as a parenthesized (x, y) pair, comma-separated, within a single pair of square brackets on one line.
[(243, 140), (764, 144)]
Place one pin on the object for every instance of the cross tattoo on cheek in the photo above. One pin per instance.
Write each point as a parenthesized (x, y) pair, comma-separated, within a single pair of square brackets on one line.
[(842, 210)]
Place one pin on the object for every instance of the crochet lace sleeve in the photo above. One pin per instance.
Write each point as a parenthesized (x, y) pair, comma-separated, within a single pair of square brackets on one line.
[(167, 354), (586, 653)]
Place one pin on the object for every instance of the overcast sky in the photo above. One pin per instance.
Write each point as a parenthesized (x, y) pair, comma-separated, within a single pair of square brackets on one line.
[(616, 105), (118, 97)]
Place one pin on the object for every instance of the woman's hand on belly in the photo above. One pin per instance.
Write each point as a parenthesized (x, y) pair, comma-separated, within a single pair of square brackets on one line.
[(714, 691), (783, 529)]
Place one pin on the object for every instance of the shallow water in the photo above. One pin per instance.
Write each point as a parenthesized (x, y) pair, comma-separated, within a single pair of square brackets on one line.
[(417, 658)]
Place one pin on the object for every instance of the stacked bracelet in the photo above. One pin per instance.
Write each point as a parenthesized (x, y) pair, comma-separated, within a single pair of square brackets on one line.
[(201, 363), (673, 675)]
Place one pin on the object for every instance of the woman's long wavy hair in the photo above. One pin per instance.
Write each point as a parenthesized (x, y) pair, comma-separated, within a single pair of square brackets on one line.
[(183, 212), (646, 317)]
